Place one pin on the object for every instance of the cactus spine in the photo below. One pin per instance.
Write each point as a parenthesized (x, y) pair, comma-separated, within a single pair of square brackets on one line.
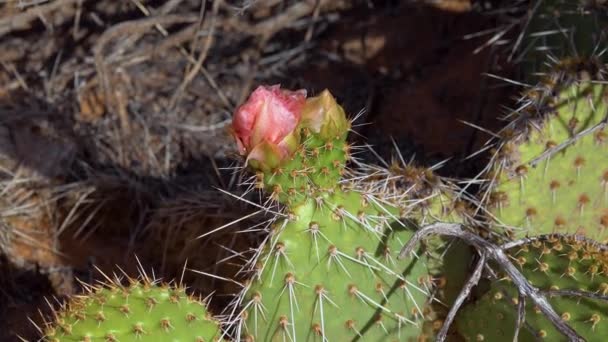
[(559, 29)]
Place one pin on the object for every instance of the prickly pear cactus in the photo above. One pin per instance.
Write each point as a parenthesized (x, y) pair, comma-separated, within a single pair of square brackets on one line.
[(573, 273), (329, 269), (141, 311), (538, 190)]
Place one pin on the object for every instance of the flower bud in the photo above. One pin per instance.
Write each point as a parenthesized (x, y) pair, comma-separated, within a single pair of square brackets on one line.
[(323, 115), (265, 125)]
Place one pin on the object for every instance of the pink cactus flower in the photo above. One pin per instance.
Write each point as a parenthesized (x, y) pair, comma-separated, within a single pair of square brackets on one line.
[(264, 125)]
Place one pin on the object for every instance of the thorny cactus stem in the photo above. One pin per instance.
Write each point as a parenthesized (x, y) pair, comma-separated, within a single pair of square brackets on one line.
[(328, 268)]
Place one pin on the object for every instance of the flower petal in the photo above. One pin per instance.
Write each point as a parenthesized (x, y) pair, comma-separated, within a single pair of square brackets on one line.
[(269, 115)]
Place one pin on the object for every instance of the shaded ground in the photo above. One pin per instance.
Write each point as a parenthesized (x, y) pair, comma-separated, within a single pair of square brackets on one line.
[(113, 122), (416, 77)]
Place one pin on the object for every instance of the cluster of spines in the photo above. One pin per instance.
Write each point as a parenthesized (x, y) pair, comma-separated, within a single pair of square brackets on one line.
[(317, 165), (552, 30)]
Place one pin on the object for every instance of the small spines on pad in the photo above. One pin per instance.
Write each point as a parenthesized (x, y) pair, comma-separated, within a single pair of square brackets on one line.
[(334, 272), (339, 252), (318, 164), (140, 311), (573, 275), (538, 190)]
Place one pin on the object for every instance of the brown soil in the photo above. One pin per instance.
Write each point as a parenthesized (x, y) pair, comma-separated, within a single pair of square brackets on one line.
[(417, 78), (118, 133)]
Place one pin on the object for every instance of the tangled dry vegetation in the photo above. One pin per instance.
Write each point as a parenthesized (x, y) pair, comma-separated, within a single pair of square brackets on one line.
[(113, 119)]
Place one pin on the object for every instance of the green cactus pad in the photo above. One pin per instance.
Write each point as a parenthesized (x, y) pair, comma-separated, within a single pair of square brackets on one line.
[(330, 268), (335, 274), (338, 273), (568, 192), (552, 263), (142, 311)]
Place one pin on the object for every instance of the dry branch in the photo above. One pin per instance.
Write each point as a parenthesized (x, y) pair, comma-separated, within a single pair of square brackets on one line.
[(497, 254), (23, 20)]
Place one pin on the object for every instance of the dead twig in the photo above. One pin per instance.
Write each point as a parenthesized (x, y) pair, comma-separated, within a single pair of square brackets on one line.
[(268, 28), (23, 20), (202, 56), (315, 16), (462, 296), (576, 293), (296, 11), (498, 255), (521, 316), (125, 28), (176, 40)]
